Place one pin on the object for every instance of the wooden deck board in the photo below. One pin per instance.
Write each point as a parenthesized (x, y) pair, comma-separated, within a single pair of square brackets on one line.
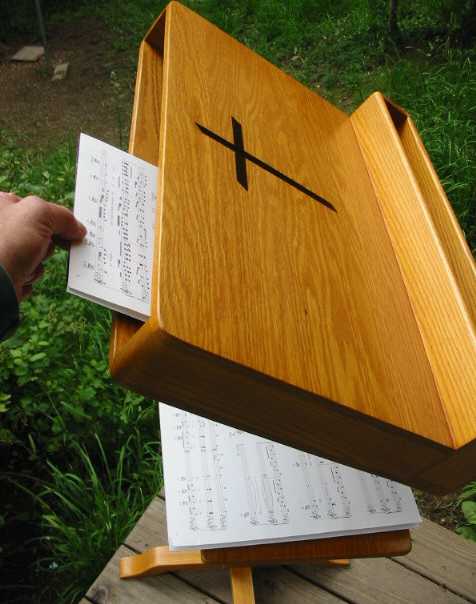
[(378, 581), (443, 557), (441, 569)]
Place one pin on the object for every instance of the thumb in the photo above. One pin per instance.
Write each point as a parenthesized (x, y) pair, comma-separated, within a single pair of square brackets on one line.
[(63, 223)]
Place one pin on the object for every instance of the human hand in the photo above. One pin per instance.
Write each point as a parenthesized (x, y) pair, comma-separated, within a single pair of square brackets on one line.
[(29, 229)]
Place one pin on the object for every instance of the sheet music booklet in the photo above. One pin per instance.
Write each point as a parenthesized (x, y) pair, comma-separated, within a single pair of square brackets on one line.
[(115, 199), (226, 488)]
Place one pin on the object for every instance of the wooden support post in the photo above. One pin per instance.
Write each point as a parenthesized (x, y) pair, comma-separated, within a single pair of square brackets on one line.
[(242, 585)]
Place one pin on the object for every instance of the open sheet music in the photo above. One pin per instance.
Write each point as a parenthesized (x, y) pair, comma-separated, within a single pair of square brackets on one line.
[(226, 488), (115, 199)]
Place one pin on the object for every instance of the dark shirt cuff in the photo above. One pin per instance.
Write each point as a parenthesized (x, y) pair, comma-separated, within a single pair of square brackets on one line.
[(9, 310)]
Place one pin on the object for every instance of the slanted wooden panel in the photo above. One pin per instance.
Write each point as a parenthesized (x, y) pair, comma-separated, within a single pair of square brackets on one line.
[(301, 285), (437, 296), (357, 546)]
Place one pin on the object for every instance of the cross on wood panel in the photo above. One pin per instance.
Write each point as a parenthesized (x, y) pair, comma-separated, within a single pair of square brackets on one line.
[(241, 156)]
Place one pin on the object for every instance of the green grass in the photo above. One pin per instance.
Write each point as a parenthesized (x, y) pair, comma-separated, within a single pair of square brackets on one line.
[(92, 508), (79, 459), (467, 500), (439, 91)]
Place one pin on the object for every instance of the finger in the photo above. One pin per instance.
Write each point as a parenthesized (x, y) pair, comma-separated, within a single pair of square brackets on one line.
[(8, 197), (63, 223)]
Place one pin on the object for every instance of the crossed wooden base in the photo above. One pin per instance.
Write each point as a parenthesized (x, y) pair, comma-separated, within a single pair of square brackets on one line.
[(240, 560)]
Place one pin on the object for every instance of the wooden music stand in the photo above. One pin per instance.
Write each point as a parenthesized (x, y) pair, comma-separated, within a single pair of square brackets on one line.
[(179, 125), (240, 560), (310, 282)]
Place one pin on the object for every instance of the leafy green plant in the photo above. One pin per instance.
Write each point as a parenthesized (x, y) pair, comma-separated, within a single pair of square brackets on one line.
[(56, 393), (87, 509), (440, 93), (467, 500)]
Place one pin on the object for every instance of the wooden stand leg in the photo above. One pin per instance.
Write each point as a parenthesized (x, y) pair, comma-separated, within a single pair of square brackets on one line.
[(242, 585), (159, 560)]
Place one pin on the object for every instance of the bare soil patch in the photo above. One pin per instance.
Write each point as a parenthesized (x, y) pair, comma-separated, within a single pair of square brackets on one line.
[(95, 97), (443, 509)]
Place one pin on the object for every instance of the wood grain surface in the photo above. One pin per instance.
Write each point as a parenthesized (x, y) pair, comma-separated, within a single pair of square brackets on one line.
[(344, 331), (445, 326), (242, 585)]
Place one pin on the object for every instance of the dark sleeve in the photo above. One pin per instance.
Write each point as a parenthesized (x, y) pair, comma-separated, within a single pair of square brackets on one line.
[(9, 312)]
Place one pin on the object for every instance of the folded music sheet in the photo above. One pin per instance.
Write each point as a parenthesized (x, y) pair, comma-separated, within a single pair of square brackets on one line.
[(115, 199), (225, 488)]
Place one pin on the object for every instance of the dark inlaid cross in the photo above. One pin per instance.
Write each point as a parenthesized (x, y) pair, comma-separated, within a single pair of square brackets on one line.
[(241, 156)]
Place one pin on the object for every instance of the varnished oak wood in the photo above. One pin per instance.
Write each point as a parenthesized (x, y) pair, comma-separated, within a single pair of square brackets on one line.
[(242, 585), (159, 559), (391, 543), (346, 333)]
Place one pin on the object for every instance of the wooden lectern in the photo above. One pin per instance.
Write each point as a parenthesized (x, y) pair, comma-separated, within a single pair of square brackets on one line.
[(311, 283)]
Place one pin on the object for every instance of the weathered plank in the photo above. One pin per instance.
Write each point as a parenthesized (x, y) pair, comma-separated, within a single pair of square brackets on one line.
[(166, 589), (273, 585), (443, 557), (151, 530), (379, 580)]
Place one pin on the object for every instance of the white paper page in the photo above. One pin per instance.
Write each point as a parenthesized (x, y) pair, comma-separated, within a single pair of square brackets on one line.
[(115, 199), (225, 487)]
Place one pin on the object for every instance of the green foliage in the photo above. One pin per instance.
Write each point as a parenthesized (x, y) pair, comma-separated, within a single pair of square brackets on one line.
[(54, 371), (89, 507), (467, 500), (63, 421), (439, 91)]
